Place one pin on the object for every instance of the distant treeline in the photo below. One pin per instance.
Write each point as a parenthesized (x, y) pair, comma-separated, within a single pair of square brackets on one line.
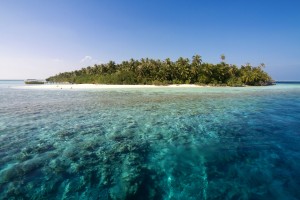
[(164, 72)]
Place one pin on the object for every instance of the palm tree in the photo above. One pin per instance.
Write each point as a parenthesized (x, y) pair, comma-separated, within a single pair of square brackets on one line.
[(262, 65), (183, 67), (197, 60), (195, 68), (168, 66), (223, 58)]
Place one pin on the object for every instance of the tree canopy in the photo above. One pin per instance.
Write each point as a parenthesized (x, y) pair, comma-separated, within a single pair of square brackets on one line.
[(164, 72)]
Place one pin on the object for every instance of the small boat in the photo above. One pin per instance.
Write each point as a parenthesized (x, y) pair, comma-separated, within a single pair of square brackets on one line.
[(34, 81)]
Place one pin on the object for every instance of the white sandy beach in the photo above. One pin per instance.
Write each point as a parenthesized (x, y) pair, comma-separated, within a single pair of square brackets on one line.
[(102, 86)]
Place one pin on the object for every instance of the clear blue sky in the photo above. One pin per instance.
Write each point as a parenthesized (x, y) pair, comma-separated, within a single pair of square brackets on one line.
[(42, 38)]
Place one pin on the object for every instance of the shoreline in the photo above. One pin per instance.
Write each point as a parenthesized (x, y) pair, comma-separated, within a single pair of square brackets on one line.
[(106, 86)]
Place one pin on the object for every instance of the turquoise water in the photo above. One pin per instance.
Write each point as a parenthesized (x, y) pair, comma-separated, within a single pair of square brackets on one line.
[(169, 143)]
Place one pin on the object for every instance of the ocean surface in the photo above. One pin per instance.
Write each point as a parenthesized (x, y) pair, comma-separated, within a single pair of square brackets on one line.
[(154, 143)]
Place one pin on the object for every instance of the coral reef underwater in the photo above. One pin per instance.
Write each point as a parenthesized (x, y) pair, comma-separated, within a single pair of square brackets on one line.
[(155, 144)]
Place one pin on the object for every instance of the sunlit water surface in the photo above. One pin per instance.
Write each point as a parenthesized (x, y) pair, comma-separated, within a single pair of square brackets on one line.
[(161, 143)]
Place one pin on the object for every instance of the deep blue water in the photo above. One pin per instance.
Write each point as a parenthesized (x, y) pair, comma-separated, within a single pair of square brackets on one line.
[(169, 143)]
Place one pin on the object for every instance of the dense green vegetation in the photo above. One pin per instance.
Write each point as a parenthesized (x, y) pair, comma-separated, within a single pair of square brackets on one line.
[(163, 72)]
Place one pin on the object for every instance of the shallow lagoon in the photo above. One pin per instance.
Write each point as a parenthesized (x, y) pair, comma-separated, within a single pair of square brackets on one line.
[(161, 143)]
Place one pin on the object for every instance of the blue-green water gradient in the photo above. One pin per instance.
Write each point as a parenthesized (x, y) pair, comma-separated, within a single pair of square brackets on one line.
[(159, 143)]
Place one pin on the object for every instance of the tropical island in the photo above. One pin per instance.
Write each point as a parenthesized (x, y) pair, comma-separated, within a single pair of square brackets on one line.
[(165, 72)]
